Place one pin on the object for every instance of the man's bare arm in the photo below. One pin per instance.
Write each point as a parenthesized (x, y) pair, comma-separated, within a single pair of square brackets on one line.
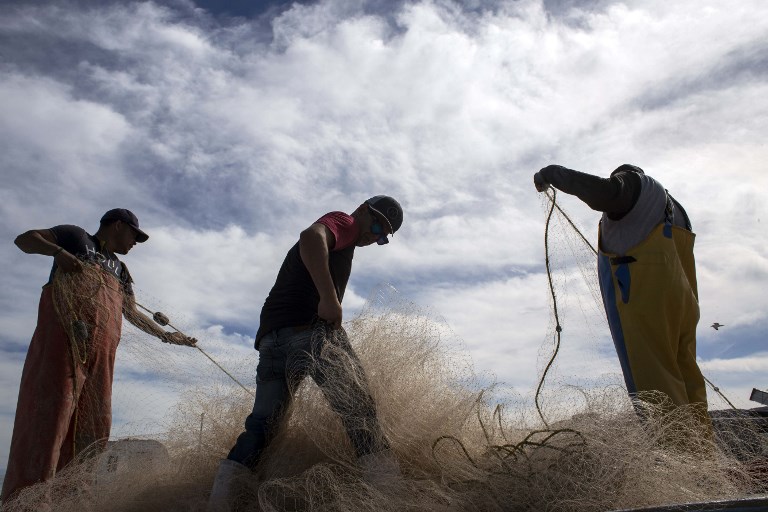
[(42, 241), (315, 243), (146, 324)]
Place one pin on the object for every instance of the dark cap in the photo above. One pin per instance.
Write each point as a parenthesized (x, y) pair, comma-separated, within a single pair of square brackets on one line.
[(129, 218), (627, 168), (388, 208)]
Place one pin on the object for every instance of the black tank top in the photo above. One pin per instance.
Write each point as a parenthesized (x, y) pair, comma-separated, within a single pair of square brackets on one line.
[(293, 299)]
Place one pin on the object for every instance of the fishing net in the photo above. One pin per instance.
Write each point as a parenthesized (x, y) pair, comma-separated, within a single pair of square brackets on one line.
[(461, 443), (88, 308)]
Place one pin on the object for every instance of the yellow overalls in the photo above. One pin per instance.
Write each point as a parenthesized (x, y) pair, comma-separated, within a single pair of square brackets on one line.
[(651, 302)]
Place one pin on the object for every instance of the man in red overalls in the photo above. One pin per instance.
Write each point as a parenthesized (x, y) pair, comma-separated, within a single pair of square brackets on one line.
[(65, 394)]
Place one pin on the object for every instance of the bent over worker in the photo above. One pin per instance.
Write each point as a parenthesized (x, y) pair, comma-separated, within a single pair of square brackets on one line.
[(65, 395), (309, 289), (647, 278)]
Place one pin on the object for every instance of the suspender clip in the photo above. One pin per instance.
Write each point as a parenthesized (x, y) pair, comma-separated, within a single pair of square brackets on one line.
[(620, 260)]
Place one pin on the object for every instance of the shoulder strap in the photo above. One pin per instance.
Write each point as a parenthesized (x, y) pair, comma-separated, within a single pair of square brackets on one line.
[(672, 201)]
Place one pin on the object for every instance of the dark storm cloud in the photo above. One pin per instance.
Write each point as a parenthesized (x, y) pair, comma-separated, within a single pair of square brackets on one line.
[(738, 67), (252, 9)]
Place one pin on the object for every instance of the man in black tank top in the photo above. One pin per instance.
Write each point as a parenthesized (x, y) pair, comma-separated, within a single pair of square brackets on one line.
[(306, 300)]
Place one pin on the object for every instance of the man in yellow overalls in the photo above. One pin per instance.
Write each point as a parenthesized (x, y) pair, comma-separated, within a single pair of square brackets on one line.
[(647, 278)]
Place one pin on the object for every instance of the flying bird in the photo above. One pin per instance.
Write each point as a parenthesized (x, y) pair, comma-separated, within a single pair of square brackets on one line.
[(717, 326)]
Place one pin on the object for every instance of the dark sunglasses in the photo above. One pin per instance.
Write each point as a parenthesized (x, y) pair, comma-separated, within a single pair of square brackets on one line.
[(378, 229)]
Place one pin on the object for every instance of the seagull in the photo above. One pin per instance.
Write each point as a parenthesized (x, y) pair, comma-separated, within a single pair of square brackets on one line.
[(717, 326)]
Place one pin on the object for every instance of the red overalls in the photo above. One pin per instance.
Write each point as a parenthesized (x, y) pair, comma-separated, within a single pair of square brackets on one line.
[(65, 396)]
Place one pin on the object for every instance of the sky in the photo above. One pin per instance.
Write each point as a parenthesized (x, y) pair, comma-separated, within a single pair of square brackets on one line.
[(228, 127)]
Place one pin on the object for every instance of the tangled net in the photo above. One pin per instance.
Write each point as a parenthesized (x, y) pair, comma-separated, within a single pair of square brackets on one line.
[(462, 442), (79, 308), (457, 446)]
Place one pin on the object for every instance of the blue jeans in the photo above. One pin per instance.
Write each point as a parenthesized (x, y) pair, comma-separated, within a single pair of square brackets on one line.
[(285, 358)]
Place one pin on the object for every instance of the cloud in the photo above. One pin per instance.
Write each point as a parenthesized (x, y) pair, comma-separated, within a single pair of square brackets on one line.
[(55, 145), (10, 375)]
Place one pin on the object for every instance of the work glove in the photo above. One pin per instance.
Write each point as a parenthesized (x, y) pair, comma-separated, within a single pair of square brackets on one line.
[(540, 182), (177, 338), (554, 171)]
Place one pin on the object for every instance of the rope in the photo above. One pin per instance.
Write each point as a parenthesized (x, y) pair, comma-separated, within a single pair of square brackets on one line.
[(202, 352), (717, 390), (512, 451), (558, 328), (554, 205)]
